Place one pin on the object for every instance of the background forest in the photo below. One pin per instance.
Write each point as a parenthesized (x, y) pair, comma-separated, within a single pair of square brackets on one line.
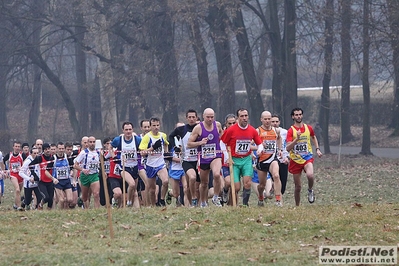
[(71, 68)]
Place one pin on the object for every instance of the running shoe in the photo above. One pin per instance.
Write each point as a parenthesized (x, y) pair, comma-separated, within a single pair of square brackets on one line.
[(204, 204), (162, 203), (278, 203), (216, 202), (114, 203), (311, 196), (194, 202), (168, 197), (261, 203), (225, 196), (80, 202)]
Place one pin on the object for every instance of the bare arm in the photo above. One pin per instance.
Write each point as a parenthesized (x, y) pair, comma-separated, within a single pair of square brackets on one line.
[(316, 144), (192, 143)]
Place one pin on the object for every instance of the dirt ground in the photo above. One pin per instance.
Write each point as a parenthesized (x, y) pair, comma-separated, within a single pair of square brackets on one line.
[(380, 137)]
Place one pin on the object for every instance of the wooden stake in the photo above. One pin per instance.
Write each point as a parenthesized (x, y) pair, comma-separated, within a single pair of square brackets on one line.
[(233, 189), (107, 204), (123, 181)]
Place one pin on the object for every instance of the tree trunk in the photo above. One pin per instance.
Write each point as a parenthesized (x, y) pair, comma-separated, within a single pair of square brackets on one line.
[(366, 139), (277, 59), (105, 74), (36, 103), (202, 64), (95, 107), (263, 55), (247, 64), (346, 134), (81, 76), (36, 99), (168, 85), (289, 89), (217, 20), (37, 59), (393, 9), (3, 89), (328, 59)]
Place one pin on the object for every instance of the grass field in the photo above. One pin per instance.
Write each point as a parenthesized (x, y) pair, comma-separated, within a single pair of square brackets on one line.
[(356, 204)]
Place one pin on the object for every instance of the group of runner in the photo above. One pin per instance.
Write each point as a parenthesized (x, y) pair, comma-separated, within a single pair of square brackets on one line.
[(194, 158)]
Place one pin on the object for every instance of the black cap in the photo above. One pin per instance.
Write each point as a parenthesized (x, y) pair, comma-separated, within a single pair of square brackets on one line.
[(25, 144), (46, 146)]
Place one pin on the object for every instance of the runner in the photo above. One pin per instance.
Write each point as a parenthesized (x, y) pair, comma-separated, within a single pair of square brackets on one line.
[(46, 183), (87, 162), (127, 148), (61, 170), (13, 162), (239, 137), (153, 145), (301, 153), (189, 156), (206, 138), (268, 160), (31, 181)]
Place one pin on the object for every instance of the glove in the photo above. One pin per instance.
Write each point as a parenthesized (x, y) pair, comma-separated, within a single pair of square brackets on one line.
[(157, 145), (177, 149)]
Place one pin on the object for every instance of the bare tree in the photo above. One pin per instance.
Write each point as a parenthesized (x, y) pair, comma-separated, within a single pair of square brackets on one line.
[(328, 60), (290, 93), (162, 41), (346, 134), (202, 64), (81, 74), (366, 145), (393, 12), (247, 64), (217, 19), (105, 74)]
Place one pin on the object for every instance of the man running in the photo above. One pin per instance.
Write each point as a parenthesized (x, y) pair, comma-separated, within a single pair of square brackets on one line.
[(87, 162), (15, 162), (301, 153), (46, 183), (206, 138), (31, 182), (283, 166), (127, 146), (61, 166), (267, 161), (189, 155), (153, 145), (239, 137)]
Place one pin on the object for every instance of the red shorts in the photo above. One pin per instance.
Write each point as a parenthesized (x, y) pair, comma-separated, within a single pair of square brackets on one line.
[(296, 168), (20, 179)]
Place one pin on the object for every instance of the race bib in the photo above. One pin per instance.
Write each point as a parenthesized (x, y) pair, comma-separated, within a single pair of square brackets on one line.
[(191, 154), (130, 156), (93, 166), (62, 173), (106, 167), (301, 148), (117, 169), (242, 147), (269, 146), (15, 167), (208, 151)]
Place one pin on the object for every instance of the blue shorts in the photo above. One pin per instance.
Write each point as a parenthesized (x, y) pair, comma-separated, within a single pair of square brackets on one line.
[(153, 171), (64, 184), (255, 178), (225, 171), (133, 171), (176, 174), (2, 186)]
